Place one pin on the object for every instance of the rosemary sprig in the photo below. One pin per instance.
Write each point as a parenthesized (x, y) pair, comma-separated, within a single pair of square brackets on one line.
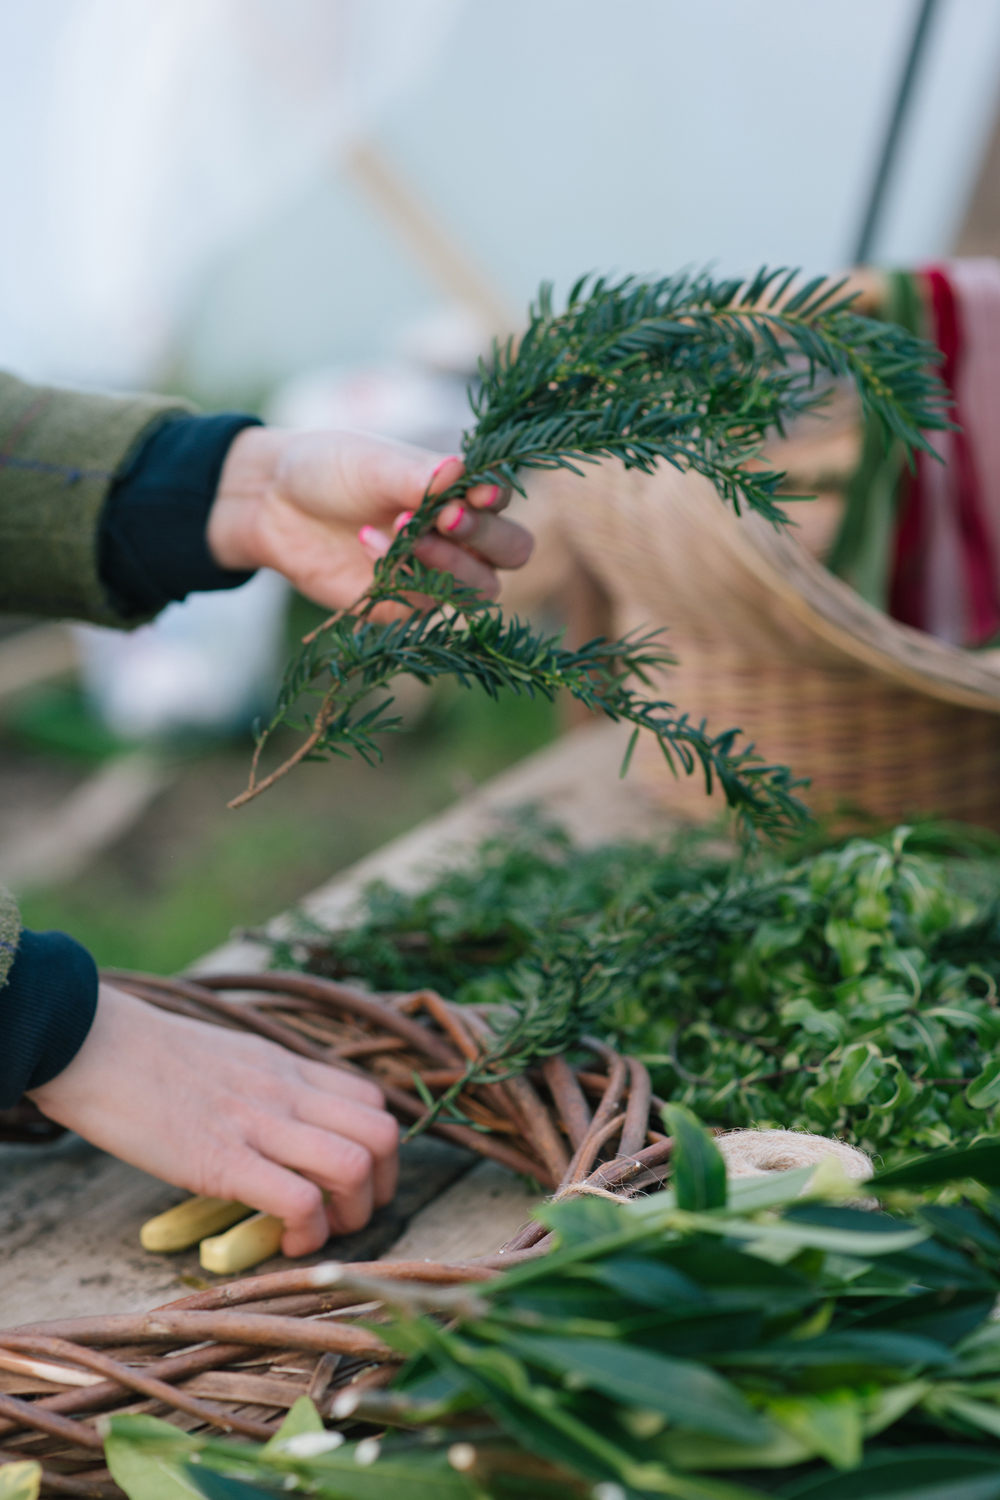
[(687, 369), (554, 996)]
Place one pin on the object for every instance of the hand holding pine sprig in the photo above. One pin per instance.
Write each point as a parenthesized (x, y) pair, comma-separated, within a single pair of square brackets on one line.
[(687, 369)]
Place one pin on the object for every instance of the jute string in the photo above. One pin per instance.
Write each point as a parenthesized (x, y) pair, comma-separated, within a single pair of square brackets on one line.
[(758, 1153)]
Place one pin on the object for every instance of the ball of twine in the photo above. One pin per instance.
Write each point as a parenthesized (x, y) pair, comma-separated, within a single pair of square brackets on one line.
[(756, 1153)]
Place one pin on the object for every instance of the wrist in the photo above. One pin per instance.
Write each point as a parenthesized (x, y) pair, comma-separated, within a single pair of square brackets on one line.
[(233, 530)]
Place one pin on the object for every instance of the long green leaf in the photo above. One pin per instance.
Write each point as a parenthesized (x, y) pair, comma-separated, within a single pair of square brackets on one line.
[(690, 1395), (980, 1162), (699, 1172), (905, 1354), (20, 1480), (922, 1472), (147, 1458)]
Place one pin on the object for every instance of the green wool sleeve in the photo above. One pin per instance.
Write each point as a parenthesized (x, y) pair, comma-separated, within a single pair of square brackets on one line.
[(60, 452), (10, 932)]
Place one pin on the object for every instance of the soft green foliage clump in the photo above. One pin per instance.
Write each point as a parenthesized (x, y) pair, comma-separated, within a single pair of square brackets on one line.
[(858, 999), (852, 993), (712, 1341)]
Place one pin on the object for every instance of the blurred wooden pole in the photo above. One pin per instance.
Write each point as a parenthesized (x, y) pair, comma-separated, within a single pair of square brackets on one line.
[(421, 231), (980, 231)]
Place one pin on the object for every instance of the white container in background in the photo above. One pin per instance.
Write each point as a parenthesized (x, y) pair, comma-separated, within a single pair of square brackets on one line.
[(210, 664)]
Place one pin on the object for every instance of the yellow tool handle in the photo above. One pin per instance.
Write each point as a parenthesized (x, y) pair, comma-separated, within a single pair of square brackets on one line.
[(243, 1246), (189, 1222)]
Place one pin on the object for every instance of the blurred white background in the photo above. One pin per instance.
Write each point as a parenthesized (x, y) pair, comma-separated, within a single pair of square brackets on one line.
[(182, 203), (319, 210), (323, 209)]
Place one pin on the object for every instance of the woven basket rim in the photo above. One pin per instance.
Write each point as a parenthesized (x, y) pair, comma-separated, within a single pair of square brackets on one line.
[(830, 609)]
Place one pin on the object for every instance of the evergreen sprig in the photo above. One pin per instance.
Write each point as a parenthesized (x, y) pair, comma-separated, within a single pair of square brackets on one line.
[(689, 370), (563, 987)]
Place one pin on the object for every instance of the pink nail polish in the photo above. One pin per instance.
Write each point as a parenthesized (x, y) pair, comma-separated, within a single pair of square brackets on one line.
[(369, 537), (495, 495), (450, 459), (403, 519), (458, 519)]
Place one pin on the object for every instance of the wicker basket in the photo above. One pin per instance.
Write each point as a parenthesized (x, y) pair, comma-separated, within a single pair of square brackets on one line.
[(884, 720)]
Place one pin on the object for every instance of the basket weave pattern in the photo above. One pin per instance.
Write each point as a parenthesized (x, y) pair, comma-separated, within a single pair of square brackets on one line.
[(883, 720)]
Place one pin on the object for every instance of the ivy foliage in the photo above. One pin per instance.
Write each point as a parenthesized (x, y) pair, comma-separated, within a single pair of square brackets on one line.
[(712, 1341), (691, 370), (852, 993)]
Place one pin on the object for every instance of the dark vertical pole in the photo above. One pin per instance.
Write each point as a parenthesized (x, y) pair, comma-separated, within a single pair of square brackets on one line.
[(887, 160)]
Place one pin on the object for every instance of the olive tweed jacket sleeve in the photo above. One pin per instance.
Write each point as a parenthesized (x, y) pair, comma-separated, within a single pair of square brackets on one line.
[(103, 510), (60, 453)]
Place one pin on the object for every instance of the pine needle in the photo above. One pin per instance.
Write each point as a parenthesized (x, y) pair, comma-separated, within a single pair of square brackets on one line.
[(687, 370)]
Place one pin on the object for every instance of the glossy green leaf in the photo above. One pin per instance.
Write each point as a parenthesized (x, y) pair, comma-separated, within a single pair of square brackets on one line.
[(20, 1480), (804, 1236), (861, 1069), (689, 1450), (906, 1354), (699, 1172), (953, 1401), (338, 1476), (147, 1458), (828, 1425), (984, 1092), (689, 1394), (980, 1162), (921, 1472), (302, 1417), (747, 1195), (961, 1225), (944, 1317), (979, 1352), (222, 1486), (650, 1282), (852, 945)]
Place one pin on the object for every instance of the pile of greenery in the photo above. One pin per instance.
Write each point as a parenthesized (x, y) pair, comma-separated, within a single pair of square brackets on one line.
[(711, 1342), (851, 993)]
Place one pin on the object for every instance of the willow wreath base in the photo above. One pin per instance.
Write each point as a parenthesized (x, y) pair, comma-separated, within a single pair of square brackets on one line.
[(234, 1358)]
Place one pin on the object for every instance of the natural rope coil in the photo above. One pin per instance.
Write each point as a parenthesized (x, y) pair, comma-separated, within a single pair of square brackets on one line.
[(756, 1153)]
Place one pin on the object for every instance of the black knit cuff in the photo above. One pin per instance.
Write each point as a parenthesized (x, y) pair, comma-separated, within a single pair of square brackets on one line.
[(46, 1010), (152, 547)]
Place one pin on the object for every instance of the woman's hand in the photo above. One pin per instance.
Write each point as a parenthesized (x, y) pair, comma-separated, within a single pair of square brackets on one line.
[(320, 507), (231, 1116)]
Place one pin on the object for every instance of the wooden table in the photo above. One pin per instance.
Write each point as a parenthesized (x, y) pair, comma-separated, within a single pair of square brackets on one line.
[(70, 1214)]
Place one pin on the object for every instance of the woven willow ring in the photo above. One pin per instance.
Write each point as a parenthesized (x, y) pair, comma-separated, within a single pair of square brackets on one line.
[(234, 1358)]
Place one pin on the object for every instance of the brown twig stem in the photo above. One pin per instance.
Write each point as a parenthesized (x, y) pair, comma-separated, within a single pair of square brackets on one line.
[(135, 1380)]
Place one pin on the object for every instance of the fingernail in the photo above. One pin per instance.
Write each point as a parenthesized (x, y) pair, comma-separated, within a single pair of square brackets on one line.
[(369, 537), (495, 495), (403, 519), (458, 519), (452, 458)]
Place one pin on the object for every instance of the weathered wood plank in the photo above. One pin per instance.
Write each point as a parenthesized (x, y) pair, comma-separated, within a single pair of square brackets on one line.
[(70, 1215), (69, 1229), (475, 1216)]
